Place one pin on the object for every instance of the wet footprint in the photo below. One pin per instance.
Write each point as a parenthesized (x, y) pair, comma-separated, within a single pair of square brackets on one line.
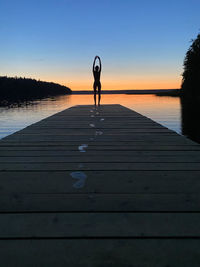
[(82, 147), (81, 177), (98, 133), (80, 165)]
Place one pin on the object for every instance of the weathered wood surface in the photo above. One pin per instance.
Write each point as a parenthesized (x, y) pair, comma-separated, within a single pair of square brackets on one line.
[(90, 252), (105, 186), (66, 225)]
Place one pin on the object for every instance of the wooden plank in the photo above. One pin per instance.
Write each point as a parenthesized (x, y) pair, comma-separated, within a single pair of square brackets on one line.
[(65, 166), (86, 131), (97, 142), (119, 115), (112, 120), (164, 138), (93, 202), (96, 125), (97, 146), (131, 182), (101, 252), (85, 158), (40, 152), (84, 225), (101, 125), (106, 132)]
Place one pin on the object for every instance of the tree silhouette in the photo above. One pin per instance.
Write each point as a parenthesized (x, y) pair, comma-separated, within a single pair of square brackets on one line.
[(191, 75), (190, 97), (27, 89)]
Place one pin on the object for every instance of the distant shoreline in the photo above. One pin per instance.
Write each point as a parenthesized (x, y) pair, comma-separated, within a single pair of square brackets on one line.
[(18, 89), (129, 92)]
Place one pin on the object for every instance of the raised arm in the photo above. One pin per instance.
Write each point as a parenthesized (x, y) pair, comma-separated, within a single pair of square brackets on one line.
[(94, 63), (99, 64)]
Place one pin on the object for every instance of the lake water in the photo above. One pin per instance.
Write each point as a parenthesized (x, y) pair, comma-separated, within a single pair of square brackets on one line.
[(164, 110)]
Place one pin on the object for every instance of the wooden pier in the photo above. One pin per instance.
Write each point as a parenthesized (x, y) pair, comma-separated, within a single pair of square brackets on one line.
[(99, 187)]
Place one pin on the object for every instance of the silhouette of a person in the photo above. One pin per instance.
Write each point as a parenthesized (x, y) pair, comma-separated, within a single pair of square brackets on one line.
[(97, 84)]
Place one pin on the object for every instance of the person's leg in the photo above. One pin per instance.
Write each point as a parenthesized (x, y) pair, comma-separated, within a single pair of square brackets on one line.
[(95, 91), (99, 93)]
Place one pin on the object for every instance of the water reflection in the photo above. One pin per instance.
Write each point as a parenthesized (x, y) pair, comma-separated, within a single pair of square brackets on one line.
[(164, 110)]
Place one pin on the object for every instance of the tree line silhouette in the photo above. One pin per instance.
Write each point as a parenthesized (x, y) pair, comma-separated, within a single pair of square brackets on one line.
[(190, 92), (191, 75), (190, 87), (18, 88)]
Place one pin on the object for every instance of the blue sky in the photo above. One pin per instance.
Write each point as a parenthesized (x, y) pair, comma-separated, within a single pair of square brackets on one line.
[(142, 43)]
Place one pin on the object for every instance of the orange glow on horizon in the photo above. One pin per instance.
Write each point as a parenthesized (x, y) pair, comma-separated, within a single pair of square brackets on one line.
[(117, 83), (124, 85)]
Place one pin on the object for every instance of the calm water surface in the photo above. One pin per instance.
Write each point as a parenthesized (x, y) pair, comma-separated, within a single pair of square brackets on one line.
[(164, 110)]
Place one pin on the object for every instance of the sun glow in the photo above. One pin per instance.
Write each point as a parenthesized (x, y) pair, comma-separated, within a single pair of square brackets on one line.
[(107, 84), (125, 85)]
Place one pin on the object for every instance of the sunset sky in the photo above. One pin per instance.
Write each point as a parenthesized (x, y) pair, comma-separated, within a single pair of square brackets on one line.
[(142, 43)]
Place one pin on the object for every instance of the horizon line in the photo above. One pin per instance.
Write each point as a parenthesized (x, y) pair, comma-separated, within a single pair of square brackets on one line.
[(165, 89)]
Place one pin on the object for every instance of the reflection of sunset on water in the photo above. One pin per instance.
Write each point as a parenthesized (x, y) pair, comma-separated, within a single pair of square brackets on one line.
[(138, 102), (165, 110)]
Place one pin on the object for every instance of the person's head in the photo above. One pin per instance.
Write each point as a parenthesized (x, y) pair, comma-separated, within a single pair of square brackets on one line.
[(97, 68)]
